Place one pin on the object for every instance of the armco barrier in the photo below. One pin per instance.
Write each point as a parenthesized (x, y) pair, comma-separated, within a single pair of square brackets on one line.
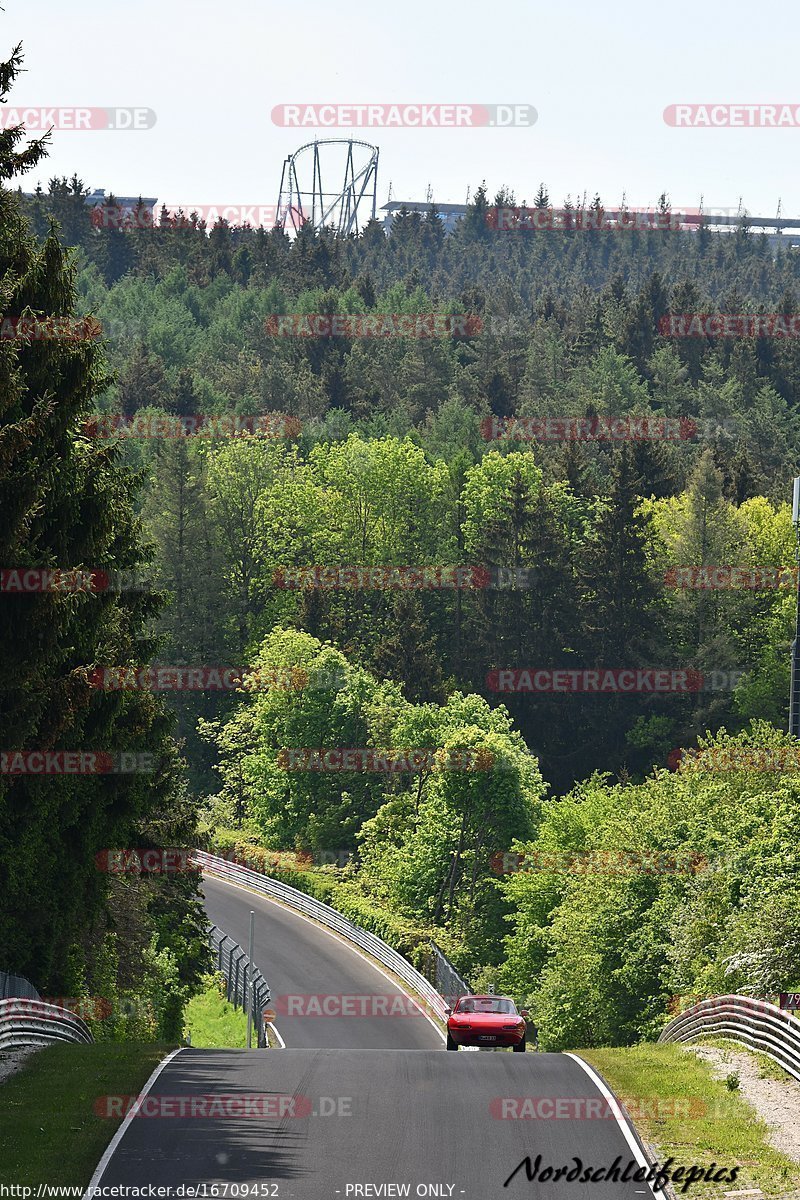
[(755, 1023), (372, 945), (27, 1023)]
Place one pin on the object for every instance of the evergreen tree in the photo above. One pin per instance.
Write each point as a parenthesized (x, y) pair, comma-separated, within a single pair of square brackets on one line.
[(143, 383), (622, 596), (184, 397), (67, 503)]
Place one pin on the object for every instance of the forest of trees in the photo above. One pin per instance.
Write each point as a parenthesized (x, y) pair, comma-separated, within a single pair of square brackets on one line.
[(388, 464), (66, 502)]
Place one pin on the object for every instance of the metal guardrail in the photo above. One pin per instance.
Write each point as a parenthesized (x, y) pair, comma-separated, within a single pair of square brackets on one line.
[(241, 976), (755, 1023), (329, 917), (25, 1022)]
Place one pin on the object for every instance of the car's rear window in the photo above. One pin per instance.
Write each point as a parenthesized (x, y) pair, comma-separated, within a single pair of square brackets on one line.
[(485, 1004)]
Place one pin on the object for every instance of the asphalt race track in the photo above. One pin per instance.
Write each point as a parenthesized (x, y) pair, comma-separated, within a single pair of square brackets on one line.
[(397, 1117), (359, 1106), (299, 959)]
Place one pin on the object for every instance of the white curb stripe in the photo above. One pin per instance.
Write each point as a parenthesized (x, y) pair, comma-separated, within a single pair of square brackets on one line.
[(126, 1120), (613, 1104)]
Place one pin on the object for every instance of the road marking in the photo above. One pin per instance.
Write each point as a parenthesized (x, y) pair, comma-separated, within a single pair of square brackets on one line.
[(126, 1120), (613, 1103), (277, 1035), (343, 941)]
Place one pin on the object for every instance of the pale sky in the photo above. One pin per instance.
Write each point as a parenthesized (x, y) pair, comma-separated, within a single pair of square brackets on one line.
[(599, 76)]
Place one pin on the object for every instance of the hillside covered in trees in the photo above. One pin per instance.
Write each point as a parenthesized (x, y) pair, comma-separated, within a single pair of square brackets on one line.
[(392, 461)]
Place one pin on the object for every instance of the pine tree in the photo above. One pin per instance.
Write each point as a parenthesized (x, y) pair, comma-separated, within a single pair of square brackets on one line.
[(66, 503), (143, 383), (622, 595), (542, 197), (190, 574), (184, 400), (405, 651)]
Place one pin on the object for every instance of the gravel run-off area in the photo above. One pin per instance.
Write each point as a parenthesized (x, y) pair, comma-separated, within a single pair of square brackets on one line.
[(13, 1062), (777, 1101)]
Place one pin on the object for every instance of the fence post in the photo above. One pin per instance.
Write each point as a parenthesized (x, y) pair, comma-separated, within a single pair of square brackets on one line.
[(249, 979)]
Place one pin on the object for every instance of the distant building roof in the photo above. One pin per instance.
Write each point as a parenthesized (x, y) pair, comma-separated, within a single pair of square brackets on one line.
[(98, 196), (424, 205)]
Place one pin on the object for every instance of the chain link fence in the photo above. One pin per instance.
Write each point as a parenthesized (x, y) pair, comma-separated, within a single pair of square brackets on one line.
[(445, 978), (246, 986), (13, 987)]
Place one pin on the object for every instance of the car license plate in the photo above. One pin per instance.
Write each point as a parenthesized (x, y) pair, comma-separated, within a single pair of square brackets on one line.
[(487, 1037)]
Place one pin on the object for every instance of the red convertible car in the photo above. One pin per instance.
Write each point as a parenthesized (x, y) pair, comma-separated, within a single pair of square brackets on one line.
[(486, 1022)]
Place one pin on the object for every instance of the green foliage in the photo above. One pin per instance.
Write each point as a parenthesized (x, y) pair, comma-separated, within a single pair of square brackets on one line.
[(682, 884), (211, 1021), (394, 467), (68, 503)]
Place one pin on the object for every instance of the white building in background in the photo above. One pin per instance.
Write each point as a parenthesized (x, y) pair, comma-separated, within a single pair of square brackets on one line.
[(448, 214), (128, 204)]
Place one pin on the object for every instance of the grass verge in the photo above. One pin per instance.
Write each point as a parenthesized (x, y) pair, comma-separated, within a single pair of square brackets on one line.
[(684, 1113), (212, 1022), (49, 1131)]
